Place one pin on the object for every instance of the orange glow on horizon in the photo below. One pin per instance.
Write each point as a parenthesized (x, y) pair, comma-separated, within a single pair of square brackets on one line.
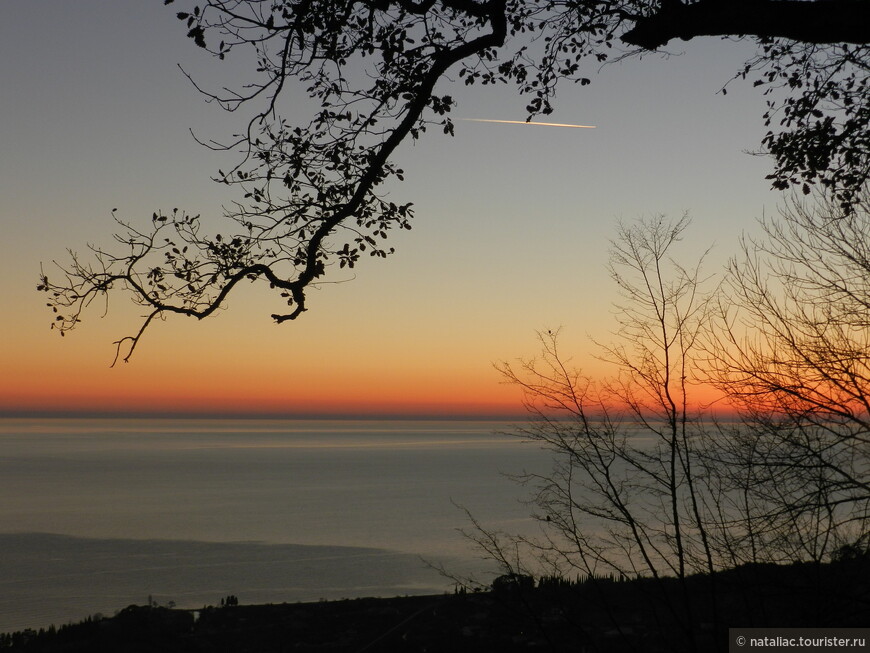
[(247, 397), (115, 392), (196, 370)]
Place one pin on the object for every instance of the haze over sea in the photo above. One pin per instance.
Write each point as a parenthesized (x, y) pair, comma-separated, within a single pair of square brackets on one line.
[(97, 514)]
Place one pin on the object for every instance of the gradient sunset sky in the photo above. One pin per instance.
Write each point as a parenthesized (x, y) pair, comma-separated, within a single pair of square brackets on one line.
[(511, 231)]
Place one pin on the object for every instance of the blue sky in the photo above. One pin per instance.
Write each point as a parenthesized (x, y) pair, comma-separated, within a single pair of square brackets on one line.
[(510, 236)]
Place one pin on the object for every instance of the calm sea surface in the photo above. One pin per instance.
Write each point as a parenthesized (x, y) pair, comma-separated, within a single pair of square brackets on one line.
[(98, 514)]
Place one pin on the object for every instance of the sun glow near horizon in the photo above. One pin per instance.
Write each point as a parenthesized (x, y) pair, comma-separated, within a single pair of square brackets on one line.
[(510, 236)]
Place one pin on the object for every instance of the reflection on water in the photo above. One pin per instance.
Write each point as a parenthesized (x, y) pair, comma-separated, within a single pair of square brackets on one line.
[(385, 485), (81, 434), (48, 579)]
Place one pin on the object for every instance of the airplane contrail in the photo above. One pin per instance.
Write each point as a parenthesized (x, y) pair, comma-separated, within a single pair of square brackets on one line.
[(523, 122)]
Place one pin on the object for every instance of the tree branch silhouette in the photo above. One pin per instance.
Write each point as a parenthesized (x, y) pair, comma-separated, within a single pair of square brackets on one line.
[(313, 191)]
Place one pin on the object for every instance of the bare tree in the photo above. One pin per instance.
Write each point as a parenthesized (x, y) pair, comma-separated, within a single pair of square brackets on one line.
[(625, 494), (313, 190), (647, 483), (793, 353)]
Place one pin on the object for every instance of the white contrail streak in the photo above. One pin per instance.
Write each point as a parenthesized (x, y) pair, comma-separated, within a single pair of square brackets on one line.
[(523, 122)]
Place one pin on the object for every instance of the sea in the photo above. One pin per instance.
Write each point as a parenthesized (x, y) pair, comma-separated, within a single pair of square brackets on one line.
[(99, 514)]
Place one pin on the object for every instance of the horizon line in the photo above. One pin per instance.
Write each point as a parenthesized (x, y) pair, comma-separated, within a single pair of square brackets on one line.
[(256, 415), (483, 416)]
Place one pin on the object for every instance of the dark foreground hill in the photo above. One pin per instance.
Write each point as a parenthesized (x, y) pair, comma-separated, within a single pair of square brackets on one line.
[(516, 615)]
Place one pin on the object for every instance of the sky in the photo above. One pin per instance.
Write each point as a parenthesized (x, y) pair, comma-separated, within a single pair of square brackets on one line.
[(511, 233)]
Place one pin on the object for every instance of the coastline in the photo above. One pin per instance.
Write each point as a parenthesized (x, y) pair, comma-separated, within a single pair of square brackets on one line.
[(590, 614), (50, 578)]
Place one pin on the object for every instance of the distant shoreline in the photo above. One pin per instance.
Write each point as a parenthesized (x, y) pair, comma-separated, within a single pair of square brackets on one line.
[(50, 578), (598, 614)]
